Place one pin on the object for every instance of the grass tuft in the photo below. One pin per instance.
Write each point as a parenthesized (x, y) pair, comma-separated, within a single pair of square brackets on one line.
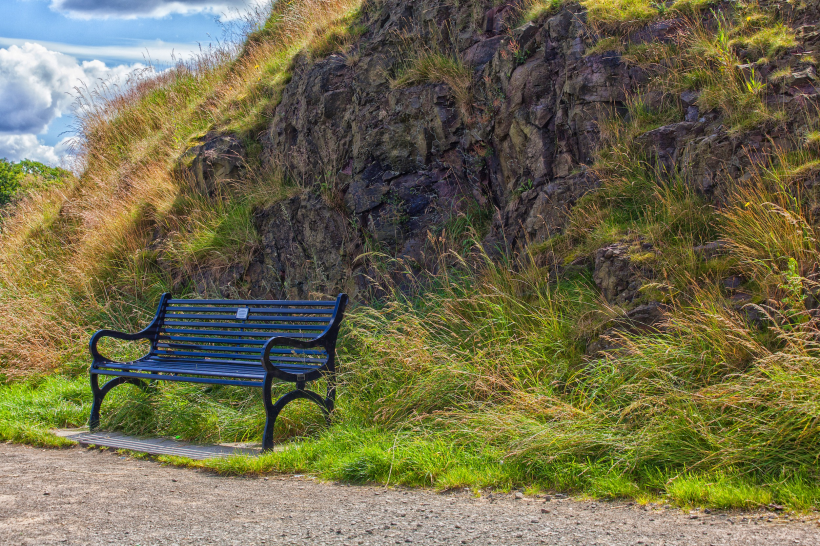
[(428, 65), (619, 15)]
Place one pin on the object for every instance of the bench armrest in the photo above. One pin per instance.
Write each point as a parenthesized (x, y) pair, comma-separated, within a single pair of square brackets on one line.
[(283, 341), (95, 339), (327, 340), (148, 333)]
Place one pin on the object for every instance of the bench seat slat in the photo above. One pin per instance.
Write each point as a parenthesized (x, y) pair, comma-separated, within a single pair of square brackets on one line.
[(255, 351), (194, 357), (215, 357), (252, 317), (267, 303), (226, 359), (193, 360), (211, 371), (229, 341), (272, 328), (195, 366), (184, 347), (183, 378), (209, 356), (279, 310), (233, 333), (254, 312), (206, 368)]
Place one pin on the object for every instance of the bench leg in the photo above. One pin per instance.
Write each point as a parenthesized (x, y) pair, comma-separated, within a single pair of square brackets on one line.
[(330, 400), (272, 410), (100, 392)]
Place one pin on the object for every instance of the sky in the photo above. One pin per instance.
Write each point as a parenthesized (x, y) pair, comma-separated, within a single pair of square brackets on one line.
[(48, 48)]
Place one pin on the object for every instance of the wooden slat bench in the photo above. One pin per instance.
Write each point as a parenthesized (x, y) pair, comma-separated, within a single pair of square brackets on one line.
[(232, 342)]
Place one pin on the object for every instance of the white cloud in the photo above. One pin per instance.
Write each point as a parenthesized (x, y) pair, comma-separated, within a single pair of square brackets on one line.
[(153, 50), (36, 87), (17, 147), (131, 9)]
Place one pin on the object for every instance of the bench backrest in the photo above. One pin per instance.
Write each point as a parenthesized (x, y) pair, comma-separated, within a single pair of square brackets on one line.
[(236, 331)]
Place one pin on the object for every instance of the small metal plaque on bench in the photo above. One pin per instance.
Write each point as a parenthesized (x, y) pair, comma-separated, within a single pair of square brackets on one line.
[(242, 313)]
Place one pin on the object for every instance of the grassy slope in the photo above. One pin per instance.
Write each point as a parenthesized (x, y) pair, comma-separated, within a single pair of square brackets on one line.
[(480, 378)]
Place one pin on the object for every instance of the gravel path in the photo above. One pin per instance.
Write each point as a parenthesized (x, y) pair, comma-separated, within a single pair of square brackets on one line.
[(80, 496)]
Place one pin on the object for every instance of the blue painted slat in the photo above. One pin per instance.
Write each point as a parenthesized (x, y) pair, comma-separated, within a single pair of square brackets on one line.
[(232, 319), (266, 303), (167, 339), (204, 355), (207, 357), (186, 363), (226, 359), (207, 368), (272, 328), (186, 379), (188, 347), (207, 353), (202, 372), (198, 368), (229, 341), (231, 333), (224, 352), (293, 314), (190, 360), (254, 312)]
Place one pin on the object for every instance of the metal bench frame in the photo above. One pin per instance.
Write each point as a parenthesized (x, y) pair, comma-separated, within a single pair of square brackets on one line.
[(190, 346)]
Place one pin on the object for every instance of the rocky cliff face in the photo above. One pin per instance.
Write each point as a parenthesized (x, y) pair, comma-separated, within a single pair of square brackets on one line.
[(405, 159), (401, 161), (386, 165)]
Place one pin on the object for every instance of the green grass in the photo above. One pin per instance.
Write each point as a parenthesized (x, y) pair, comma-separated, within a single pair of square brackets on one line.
[(733, 491), (29, 410), (761, 34)]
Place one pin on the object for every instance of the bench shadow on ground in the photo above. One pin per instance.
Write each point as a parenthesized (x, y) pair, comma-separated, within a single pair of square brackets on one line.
[(160, 446)]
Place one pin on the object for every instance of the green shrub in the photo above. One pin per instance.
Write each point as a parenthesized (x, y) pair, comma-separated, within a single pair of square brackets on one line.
[(26, 175)]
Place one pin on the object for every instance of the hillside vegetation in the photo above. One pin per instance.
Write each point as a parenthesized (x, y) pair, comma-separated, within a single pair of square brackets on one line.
[(18, 179), (497, 357)]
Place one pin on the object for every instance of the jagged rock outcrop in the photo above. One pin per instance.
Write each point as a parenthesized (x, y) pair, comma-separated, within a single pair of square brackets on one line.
[(307, 249), (641, 319), (617, 275), (403, 160), (219, 159)]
